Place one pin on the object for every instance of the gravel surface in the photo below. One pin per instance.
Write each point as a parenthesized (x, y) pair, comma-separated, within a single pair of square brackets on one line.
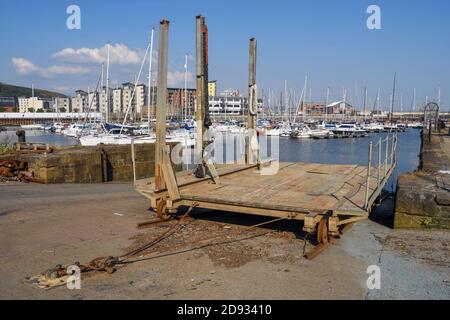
[(211, 256)]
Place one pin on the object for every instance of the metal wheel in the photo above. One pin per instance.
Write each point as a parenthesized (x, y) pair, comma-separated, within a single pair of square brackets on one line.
[(161, 210), (322, 231)]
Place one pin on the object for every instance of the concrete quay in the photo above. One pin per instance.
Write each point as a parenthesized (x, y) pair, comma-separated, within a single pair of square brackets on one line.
[(423, 197)]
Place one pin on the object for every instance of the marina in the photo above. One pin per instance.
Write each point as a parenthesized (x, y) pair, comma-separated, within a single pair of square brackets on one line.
[(170, 169)]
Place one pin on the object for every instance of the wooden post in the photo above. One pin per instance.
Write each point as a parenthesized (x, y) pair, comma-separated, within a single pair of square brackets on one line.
[(199, 91), (202, 112), (379, 161), (368, 175), (392, 151), (395, 150), (161, 103), (386, 156), (252, 103), (133, 161), (429, 131)]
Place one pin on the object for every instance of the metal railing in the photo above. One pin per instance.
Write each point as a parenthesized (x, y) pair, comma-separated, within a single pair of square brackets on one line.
[(384, 166)]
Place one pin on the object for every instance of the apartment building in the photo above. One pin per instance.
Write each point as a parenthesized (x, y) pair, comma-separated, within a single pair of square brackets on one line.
[(23, 104), (80, 101), (212, 88), (34, 104), (176, 100), (117, 101), (127, 100), (104, 100), (231, 102), (62, 104), (140, 98), (93, 99)]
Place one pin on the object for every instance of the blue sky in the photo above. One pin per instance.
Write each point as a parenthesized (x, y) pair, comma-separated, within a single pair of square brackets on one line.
[(328, 40)]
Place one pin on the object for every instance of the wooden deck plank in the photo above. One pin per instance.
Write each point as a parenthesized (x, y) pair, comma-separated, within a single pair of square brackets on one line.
[(293, 186), (302, 186)]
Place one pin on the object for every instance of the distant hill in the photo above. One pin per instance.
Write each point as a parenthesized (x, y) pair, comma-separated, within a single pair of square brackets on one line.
[(8, 90)]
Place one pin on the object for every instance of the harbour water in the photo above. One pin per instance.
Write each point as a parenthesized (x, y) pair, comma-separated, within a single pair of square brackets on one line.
[(336, 151), (40, 136), (353, 151)]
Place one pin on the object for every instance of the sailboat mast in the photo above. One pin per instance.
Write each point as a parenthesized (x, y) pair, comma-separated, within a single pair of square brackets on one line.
[(326, 103), (310, 98), (365, 102), (304, 97), (401, 105), (393, 98), (285, 100), (439, 97), (401, 102), (103, 71), (32, 96), (185, 86), (107, 86), (149, 96), (344, 100), (280, 103), (379, 101)]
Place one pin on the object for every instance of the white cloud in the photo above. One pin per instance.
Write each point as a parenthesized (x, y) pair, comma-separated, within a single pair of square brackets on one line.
[(119, 53), (176, 78), (57, 70), (24, 66)]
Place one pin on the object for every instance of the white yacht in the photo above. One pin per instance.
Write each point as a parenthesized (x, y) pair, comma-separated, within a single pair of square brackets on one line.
[(276, 131), (73, 130), (301, 132), (350, 130), (33, 126), (390, 127), (114, 139), (321, 133), (372, 127), (415, 125)]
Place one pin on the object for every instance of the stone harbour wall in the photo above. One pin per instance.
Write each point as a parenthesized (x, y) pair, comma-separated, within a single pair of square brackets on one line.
[(91, 164)]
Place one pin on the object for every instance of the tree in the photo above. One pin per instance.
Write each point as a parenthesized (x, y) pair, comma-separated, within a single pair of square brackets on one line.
[(75, 110), (62, 109), (2, 109), (40, 110), (30, 110)]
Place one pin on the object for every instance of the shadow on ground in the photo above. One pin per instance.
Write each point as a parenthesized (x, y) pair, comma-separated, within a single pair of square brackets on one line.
[(384, 213)]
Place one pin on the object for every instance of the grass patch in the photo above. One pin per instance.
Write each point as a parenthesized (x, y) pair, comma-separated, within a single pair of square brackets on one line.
[(5, 145)]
